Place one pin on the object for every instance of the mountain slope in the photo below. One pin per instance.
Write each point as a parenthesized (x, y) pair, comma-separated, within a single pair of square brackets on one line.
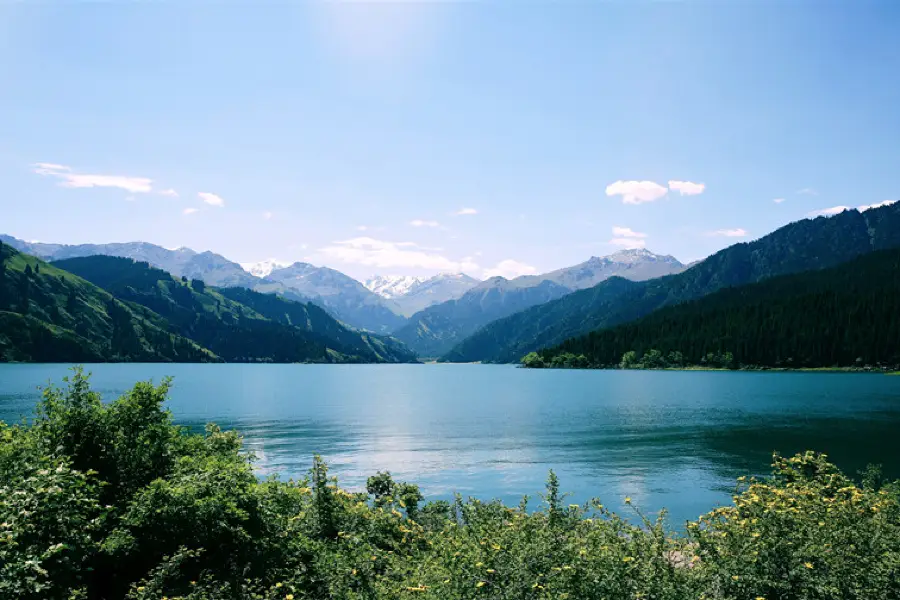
[(240, 325), (438, 328), (800, 246), (841, 316), (50, 315), (346, 298), (209, 267)]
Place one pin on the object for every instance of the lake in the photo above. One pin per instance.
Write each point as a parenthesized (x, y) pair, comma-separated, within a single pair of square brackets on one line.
[(665, 438)]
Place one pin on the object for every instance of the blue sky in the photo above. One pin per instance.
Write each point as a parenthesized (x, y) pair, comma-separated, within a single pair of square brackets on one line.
[(353, 135)]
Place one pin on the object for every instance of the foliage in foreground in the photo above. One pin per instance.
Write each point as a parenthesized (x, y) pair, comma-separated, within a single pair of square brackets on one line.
[(114, 501)]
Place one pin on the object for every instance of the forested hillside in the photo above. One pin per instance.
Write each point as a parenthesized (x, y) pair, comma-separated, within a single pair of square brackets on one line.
[(236, 324), (50, 315), (800, 246), (844, 316)]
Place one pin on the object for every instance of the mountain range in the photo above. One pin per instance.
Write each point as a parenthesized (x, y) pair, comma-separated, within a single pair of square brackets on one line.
[(452, 317), (104, 308), (843, 316), (436, 330), (800, 246)]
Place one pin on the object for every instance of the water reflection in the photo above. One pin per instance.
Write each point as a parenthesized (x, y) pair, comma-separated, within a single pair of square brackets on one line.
[(667, 439)]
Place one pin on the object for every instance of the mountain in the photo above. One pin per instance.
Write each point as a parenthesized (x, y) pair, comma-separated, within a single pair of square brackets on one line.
[(634, 264), (346, 298), (843, 316), (264, 268), (434, 290), (800, 246), (436, 329), (392, 286), (235, 323), (209, 267), (50, 315)]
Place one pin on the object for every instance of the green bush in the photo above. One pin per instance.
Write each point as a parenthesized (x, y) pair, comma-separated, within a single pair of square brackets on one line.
[(115, 501)]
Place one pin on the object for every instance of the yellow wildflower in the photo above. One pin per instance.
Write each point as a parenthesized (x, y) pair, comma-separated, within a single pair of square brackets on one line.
[(289, 597), (808, 565), (627, 499), (627, 558), (479, 584), (735, 577)]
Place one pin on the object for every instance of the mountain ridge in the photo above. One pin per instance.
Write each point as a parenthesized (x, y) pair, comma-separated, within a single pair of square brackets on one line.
[(807, 244)]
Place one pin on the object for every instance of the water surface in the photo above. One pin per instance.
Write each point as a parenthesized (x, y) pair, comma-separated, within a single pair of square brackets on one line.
[(666, 438)]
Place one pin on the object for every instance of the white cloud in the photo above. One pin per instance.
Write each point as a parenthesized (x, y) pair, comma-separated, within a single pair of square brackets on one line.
[(626, 232), (628, 243), (169, 192), (466, 211), (189, 211), (130, 198), (878, 205), (267, 215), (211, 199), (421, 223), (627, 237), (687, 188), (383, 254), (71, 179), (362, 227), (807, 192), (636, 192), (778, 200), (828, 212), (509, 269), (738, 232), (834, 210)]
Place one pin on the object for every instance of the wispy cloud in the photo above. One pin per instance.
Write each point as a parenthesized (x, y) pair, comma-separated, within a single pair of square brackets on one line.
[(807, 192), (465, 211), (778, 200), (629, 243), (362, 227), (267, 215), (828, 212), (626, 237), (834, 210), (384, 254), (866, 207), (70, 179), (738, 232), (189, 211), (687, 188), (627, 232), (421, 223), (509, 269), (211, 199), (169, 192), (636, 192)]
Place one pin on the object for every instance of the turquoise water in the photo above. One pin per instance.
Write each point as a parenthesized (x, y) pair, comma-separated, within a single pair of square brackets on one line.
[(667, 439)]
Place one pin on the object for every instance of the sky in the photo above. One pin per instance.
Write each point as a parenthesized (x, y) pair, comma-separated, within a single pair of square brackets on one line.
[(491, 137)]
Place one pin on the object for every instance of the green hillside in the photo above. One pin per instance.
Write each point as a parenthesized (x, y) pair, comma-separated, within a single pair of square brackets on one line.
[(237, 324), (844, 316), (800, 246), (50, 315)]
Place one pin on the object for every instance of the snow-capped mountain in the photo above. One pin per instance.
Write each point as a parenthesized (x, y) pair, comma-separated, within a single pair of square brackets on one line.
[(264, 268), (411, 294), (392, 286)]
